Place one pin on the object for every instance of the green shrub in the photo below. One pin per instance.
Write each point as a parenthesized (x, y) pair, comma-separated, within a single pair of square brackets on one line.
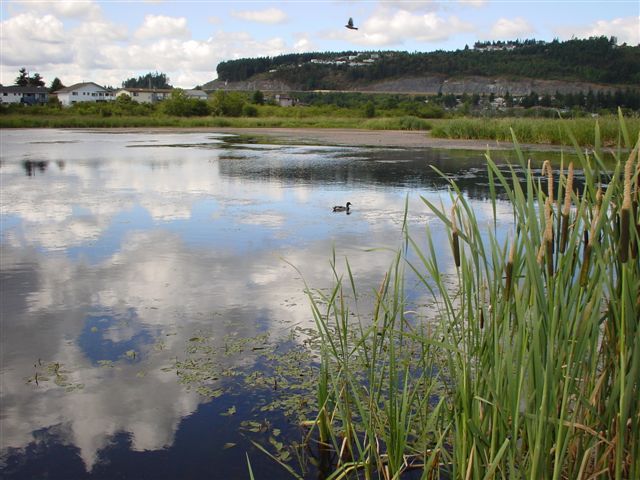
[(249, 110)]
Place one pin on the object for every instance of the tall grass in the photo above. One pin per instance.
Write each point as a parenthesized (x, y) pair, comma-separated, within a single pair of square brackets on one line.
[(534, 130), (151, 121), (530, 367)]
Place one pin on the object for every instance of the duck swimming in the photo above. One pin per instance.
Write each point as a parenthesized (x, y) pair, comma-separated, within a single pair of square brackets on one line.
[(340, 208)]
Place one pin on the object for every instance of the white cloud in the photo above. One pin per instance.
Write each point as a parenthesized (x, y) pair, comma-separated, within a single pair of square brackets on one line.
[(269, 15), (412, 5), (473, 3), (101, 31), (88, 10), (303, 44), (507, 29), (627, 30), (385, 28), (29, 39), (160, 26)]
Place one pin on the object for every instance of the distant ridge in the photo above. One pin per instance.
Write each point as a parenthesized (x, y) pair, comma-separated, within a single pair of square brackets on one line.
[(597, 63)]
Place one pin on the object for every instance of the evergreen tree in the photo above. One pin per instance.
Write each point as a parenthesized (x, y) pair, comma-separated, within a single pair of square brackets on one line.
[(36, 80), (150, 80), (56, 85), (258, 97), (22, 80)]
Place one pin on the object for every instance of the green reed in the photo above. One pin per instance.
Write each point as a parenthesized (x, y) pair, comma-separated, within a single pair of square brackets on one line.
[(530, 364), (534, 130)]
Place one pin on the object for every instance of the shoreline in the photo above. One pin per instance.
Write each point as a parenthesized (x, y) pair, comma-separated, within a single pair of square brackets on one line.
[(343, 137)]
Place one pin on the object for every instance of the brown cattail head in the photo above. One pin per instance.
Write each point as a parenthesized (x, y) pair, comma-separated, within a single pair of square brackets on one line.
[(455, 241), (625, 211), (546, 167), (566, 210), (584, 271), (509, 271), (548, 235), (635, 212)]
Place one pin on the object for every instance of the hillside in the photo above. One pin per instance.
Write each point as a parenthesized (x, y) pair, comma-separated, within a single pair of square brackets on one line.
[(597, 64)]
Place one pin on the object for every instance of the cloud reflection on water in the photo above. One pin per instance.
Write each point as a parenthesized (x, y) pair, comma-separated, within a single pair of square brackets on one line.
[(138, 248)]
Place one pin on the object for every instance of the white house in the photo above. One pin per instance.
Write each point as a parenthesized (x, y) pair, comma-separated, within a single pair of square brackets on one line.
[(145, 95), (25, 95), (285, 100), (84, 92)]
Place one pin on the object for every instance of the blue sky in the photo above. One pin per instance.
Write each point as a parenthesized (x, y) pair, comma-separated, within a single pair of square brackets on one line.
[(109, 41)]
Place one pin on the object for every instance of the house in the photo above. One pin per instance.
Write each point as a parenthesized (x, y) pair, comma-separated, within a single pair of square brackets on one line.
[(26, 95), (145, 95), (198, 94), (285, 100), (84, 92)]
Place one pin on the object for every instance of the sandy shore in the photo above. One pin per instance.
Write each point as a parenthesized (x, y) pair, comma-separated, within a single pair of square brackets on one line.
[(350, 137)]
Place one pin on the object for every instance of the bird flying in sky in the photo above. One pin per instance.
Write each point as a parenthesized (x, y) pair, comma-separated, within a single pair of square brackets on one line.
[(349, 24)]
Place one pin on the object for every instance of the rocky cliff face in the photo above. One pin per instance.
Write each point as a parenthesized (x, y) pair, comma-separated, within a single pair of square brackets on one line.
[(431, 85), (264, 85), (482, 85)]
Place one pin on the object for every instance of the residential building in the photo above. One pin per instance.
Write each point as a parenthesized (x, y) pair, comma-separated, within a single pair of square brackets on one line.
[(26, 95), (145, 95), (84, 92), (285, 100)]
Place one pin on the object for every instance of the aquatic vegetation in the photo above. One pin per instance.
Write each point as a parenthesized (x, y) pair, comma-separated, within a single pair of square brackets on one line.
[(46, 372), (535, 130), (531, 367)]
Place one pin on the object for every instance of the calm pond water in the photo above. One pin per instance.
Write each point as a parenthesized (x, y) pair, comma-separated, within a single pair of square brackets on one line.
[(130, 259)]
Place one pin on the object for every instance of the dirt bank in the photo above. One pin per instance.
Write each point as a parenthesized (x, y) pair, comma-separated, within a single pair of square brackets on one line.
[(350, 137)]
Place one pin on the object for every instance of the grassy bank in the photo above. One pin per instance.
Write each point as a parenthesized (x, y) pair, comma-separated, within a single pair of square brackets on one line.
[(534, 130), (97, 121), (531, 366), (527, 130)]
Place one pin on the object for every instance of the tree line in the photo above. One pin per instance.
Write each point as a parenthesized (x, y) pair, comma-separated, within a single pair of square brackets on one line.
[(596, 59)]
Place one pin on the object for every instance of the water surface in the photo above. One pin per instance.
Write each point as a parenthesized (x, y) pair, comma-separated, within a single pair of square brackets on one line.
[(120, 252)]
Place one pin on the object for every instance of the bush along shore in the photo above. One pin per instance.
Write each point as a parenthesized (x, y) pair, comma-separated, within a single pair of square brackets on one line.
[(234, 109), (530, 367)]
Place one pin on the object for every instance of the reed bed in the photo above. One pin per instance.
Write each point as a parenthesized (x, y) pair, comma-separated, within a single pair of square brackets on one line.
[(533, 130), (530, 367)]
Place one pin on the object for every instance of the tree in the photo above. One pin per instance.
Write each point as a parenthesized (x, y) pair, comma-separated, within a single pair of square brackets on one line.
[(508, 99), (56, 85), (150, 80), (180, 105), (22, 80), (369, 109), (227, 104), (258, 97), (36, 80)]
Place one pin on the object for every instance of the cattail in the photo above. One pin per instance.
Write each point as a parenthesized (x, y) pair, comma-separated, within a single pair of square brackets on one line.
[(548, 236), (481, 319), (634, 210), (625, 211), (509, 271), (454, 237), (566, 210), (546, 168), (584, 271)]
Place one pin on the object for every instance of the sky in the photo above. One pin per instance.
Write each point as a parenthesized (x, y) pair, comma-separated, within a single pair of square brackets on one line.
[(108, 42)]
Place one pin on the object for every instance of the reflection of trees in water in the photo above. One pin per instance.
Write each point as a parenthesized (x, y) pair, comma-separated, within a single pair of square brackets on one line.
[(384, 167), (32, 166)]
